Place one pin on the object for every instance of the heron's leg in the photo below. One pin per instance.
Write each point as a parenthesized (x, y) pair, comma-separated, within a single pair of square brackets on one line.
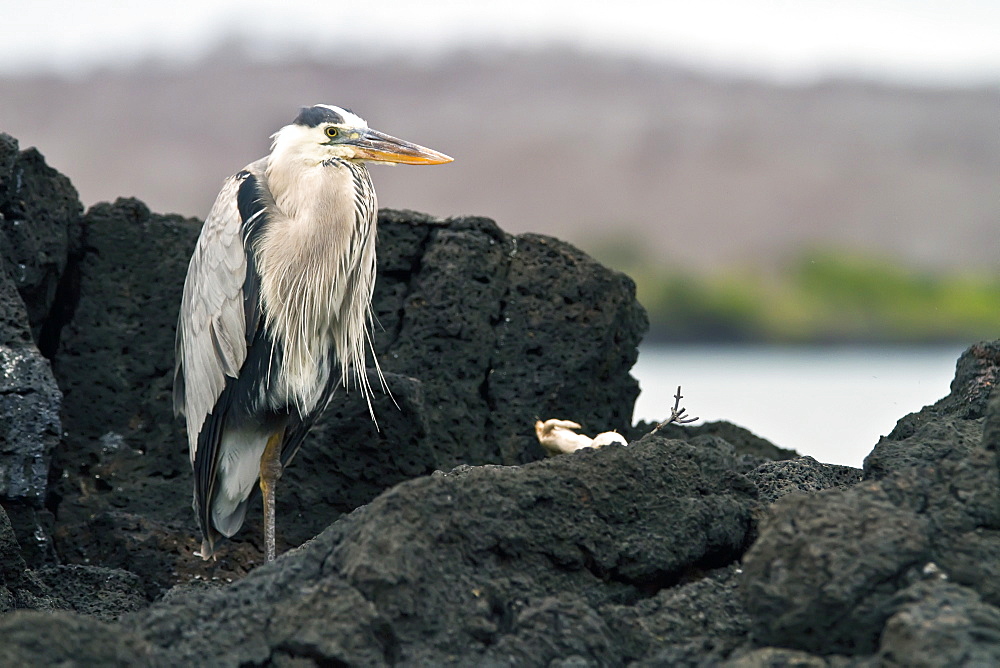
[(270, 471)]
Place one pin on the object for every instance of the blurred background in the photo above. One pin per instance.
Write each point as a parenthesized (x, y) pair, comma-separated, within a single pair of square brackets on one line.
[(806, 193)]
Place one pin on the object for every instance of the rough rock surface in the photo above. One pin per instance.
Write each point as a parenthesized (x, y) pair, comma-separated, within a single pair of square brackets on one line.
[(437, 538), (552, 542), (68, 639), (803, 475), (39, 231), (827, 572), (29, 423), (39, 234)]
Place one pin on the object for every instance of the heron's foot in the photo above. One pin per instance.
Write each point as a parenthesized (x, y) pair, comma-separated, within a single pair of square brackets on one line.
[(677, 414)]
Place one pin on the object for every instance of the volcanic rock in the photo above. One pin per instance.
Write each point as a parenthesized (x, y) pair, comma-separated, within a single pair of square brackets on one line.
[(483, 564), (828, 571), (29, 415), (39, 232), (19, 586), (65, 638), (39, 226)]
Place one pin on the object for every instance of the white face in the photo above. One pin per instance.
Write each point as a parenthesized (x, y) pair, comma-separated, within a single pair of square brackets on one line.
[(322, 141), (322, 133)]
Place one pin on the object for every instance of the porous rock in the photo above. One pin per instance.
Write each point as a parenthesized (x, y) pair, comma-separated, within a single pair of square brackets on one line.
[(697, 622), (781, 657), (482, 563), (938, 623), (19, 588), (39, 232), (950, 427), (803, 475), (826, 572), (30, 427), (102, 593), (15, 330), (63, 638), (821, 575), (124, 455), (29, 423)]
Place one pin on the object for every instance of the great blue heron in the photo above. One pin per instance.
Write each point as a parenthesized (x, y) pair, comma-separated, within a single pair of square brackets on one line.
[(276, 307)]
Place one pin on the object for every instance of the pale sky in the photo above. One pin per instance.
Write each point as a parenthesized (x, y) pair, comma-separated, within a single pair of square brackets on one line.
[(915, 41)]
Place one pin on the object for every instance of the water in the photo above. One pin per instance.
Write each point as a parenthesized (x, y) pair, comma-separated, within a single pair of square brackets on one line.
[(830, 403)]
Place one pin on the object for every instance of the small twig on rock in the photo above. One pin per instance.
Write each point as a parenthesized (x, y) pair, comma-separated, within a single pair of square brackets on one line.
[(677, 414)]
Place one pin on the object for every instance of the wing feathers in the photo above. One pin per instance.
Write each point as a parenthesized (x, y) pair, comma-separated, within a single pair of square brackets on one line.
[(218, 321), (212, 328)]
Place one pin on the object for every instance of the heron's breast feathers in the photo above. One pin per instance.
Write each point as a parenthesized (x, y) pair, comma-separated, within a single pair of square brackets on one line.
[(317, 274)]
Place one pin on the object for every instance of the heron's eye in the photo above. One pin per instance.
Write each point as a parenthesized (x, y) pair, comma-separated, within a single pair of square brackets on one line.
[(332, 132)]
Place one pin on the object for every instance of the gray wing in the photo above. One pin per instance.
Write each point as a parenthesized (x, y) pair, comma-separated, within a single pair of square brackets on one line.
[(211, 339)]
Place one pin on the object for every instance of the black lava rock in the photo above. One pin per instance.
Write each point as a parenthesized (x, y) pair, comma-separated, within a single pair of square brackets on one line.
[(484, 564), (39, 233), (19, 586), (803, 475), (937, 623), (828, 572), (823, 572), (64, 638), (29, 423), (39, 230), (103, 593)]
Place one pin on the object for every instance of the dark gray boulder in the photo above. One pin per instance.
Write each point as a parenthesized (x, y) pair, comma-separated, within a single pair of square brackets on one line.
[(15, 330), (482, 565), (30, 427), (19, 586), (937, 623), (96, 591), (39, 233), (822, 573), (803, 475), (32, 638), (115, 365), (952, 426), (781, 657), (39, 229), (830, 570), (29, 424), (697, 622)]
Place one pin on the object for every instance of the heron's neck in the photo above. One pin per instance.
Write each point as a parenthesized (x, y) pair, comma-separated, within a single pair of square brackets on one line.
[(308, 191), (317, 265)]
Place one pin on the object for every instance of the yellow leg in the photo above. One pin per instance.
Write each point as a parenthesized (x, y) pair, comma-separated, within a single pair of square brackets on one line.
[(270, 471)]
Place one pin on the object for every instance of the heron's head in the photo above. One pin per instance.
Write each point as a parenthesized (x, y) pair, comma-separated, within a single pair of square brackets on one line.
[(323, 132)]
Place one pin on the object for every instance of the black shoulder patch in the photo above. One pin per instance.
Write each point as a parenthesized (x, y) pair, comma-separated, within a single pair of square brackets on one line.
[(248, 201), (313, 116), (254, 218)]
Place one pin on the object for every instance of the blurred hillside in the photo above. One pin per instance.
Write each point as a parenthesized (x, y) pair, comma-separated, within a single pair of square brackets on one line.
[(712, 192), (696, 171)]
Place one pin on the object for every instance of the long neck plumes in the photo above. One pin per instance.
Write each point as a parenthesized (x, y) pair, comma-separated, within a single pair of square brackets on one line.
[(317, 264)]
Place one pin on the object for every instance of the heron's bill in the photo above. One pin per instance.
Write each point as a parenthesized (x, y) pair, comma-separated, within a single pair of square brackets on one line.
[(379, 147)]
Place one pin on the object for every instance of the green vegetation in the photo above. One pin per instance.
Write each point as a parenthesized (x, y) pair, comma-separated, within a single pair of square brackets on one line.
[(826, 296)]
